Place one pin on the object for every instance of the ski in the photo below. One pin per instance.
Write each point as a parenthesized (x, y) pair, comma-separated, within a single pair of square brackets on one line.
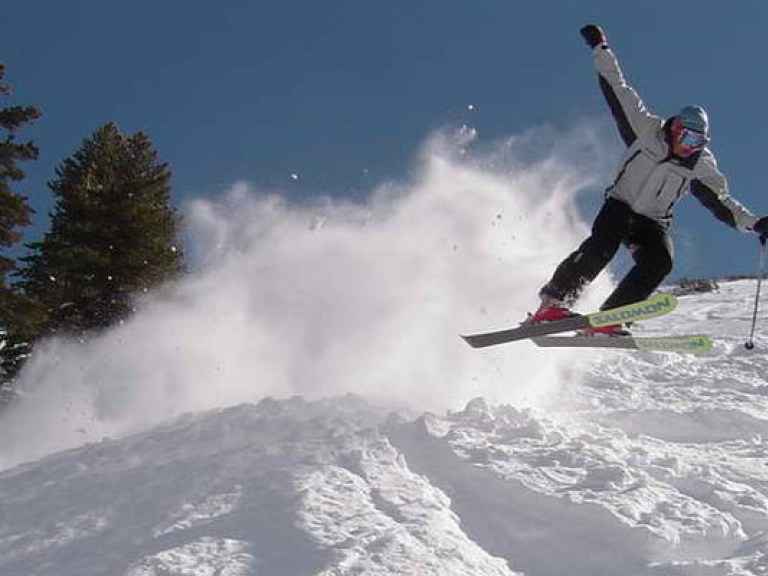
[(689, 344), (656, 305)]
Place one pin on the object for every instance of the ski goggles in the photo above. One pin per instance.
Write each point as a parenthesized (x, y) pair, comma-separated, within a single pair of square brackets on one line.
[(692, 139)]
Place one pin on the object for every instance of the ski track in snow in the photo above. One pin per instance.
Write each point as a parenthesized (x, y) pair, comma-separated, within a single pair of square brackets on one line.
[(647, 464)]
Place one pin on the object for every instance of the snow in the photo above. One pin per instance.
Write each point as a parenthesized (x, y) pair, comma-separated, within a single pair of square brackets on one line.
[(331, 296), (646, 464), (301, 402)]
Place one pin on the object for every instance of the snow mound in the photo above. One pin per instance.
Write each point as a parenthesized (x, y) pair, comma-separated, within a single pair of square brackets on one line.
[(283, 487), (645, 464)]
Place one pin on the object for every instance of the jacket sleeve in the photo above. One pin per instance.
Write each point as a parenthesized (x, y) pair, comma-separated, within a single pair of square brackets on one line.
[(711, 189), (628, 110)]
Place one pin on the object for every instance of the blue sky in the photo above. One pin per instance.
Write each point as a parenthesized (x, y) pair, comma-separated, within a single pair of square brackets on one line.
[(344, 92)]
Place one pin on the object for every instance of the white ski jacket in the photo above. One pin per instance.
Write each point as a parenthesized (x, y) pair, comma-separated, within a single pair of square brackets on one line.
[(651, 180)]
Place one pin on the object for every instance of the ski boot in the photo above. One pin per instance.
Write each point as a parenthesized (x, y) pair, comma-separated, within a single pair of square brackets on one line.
[(550, 310), (612, 330)]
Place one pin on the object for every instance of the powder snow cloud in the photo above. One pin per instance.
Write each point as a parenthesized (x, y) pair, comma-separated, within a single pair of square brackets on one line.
[(327, 296)]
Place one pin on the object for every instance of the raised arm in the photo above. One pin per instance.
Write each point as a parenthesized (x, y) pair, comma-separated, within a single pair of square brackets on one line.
[(626, 105)]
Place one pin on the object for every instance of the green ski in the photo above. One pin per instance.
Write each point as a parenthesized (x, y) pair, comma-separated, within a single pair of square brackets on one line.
[(656, 305), (689, 344)]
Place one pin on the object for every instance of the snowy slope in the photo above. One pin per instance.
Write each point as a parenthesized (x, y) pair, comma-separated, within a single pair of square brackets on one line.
[(285, 487), (642, 464)]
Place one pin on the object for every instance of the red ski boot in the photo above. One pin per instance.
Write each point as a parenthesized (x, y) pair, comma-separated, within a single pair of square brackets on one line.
[(550, 311), (612, 330)]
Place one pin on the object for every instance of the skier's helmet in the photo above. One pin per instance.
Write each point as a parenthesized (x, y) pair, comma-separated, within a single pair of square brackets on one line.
[(690, 129), (694, 118)]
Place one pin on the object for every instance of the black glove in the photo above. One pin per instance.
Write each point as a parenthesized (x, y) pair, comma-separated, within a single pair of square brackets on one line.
[(594, 35), (761, 228)]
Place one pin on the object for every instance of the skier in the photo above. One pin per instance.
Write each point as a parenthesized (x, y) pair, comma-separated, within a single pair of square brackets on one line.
[(664, 160)]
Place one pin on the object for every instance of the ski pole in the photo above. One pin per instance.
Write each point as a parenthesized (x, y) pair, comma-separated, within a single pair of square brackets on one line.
[(750, 344)]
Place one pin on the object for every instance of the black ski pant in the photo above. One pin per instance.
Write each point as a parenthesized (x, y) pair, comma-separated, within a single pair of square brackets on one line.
[(616, 224)]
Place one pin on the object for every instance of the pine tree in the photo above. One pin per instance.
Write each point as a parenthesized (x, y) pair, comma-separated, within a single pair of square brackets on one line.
[(15, 309), (113, 233)]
